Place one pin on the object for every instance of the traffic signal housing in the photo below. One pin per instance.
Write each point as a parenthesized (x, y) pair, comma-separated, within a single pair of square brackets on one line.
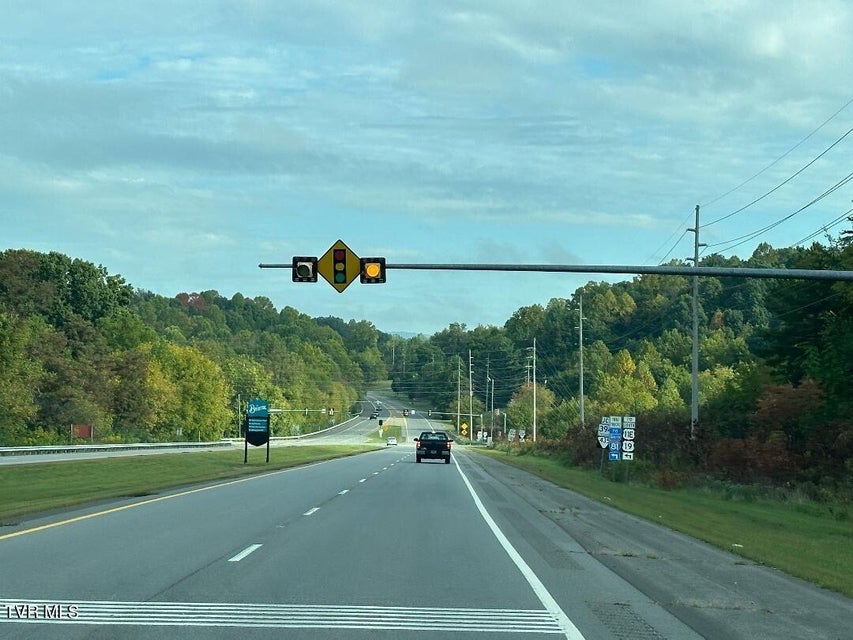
[(372, 270), (304, 269)]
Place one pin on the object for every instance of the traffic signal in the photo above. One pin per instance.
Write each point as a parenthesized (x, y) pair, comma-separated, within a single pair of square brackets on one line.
[(304, 269), (372, 270)]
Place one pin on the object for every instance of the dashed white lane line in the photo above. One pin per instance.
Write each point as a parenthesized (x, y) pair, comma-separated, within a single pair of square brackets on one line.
[(340, 493), (363, 480), (245, 552), (311, 510)]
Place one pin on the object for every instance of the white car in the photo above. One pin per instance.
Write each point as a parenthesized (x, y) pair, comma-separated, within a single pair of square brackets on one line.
[(392, 441)]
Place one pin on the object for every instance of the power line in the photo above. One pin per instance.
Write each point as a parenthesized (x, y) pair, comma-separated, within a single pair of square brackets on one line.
[(783, 183), (826, 227), (782, 157), (735, 242), (681, 237)]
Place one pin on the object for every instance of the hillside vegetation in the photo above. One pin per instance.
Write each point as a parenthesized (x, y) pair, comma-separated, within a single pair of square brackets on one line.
[(81, 346)]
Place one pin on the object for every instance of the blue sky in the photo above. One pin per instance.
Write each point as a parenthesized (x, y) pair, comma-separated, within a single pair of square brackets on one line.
[(180, 144)]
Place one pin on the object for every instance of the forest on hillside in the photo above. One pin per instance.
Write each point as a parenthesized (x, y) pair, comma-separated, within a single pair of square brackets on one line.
[(79, 345), (775, 371)]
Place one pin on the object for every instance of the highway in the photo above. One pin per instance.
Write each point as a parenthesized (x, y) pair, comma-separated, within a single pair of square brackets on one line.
[(376, 546)]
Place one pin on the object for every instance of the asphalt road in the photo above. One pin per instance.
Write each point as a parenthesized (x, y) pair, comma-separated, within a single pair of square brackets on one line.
[(376, 546)]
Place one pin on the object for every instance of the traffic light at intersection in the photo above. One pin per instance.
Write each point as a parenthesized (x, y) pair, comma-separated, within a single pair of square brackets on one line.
[(372, 270), (304, 269)]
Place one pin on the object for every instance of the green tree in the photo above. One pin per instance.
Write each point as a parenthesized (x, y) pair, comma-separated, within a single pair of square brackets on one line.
[(20, 374), (200, 406)]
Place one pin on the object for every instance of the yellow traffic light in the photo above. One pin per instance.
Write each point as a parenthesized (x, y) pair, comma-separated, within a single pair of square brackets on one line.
[(372, 270)]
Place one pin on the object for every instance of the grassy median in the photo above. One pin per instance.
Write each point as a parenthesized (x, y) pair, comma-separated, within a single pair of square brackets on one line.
[(813, 541), (37, 487)]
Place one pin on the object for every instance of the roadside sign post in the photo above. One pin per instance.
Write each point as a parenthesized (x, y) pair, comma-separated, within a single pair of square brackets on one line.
[(616, 435), (257, 426)]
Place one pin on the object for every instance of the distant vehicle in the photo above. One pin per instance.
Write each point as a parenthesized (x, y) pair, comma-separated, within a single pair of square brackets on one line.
[(405, 412), (434, 445), (391, 442), (374, 415)]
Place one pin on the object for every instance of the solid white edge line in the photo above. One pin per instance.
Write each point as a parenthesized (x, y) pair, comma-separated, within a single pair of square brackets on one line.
[(541, 591), (245, 552)]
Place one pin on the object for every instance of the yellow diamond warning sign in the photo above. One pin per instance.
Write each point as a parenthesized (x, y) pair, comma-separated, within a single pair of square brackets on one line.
[(339, 266)]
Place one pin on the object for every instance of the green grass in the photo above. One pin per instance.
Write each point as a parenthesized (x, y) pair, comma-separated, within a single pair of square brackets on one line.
[(31, 488), (810, 541), (388, 430)]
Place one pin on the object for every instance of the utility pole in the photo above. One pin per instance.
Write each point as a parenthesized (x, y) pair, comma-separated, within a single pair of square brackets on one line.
[(458, 392), (493, 407), (471, 393), (580, 340), (534, 388), (488, 362), (694, 402)]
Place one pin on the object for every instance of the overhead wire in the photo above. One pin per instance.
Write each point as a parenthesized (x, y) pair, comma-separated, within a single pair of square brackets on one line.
[(780, 158), (826, 227), (781, 184), (735, 242)]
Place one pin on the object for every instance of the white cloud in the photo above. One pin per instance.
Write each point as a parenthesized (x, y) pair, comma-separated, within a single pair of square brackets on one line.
[(430, 129)]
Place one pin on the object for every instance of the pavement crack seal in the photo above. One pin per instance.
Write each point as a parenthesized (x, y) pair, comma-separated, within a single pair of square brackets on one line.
[(722, 606)]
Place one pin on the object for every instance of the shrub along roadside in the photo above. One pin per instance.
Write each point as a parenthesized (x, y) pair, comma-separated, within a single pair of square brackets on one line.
[(813, 541)]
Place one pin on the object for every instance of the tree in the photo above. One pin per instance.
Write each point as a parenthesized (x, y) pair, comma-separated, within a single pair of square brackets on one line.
[(20, 374), (200, 406)]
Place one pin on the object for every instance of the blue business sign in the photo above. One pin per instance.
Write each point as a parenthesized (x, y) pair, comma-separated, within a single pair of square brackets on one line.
[(257, 422)]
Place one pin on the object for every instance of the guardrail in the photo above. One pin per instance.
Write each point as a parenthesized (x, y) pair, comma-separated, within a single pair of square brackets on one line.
[(87, 448)]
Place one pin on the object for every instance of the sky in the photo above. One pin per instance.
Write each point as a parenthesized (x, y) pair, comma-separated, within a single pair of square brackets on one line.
[(180, 144)]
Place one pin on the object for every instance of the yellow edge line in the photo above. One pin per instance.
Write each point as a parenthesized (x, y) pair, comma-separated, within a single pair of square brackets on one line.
[(96, 514)]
